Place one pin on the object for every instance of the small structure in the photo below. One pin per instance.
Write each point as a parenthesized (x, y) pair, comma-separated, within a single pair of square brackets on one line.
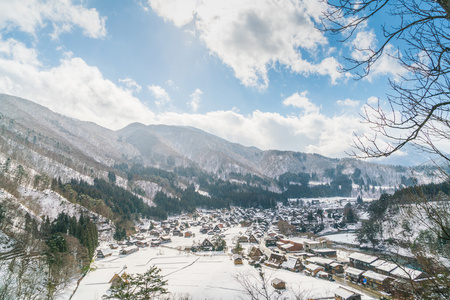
[(278, 284), (243, 239), (129, 250), (293, 264), (353, 274), (313, 269), (361, 261), (118, 280), (326, 252), (104, 252), (346, 294), (378, 281), (165, 239), (207, 245), (383, 267), (237, 259), (188, 234)]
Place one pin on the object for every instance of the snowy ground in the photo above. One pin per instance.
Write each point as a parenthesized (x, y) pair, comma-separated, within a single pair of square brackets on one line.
[(205, 275), (347, 238)]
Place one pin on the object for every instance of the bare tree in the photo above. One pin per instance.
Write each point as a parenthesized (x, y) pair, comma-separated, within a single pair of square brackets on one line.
[(419, 104)]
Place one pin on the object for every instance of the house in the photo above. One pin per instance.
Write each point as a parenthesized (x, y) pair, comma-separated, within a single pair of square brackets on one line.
[(353, 274), (253, 239), (324, 275), (336, 268), (310, 245), (405, 273), (278, 284), (323, 262), (129, 250), (142, 244), (270, 241), (256, 253), (217, 228), (118, 280), (325, 252), (275, 260), (383, 267), (313, 269), (237, 259), (361, 261), (289, 246), (243, 239), (342, 293), (105, 252), (207, 245), (188, 234), (293, 264), (377, 281), (165, 239)]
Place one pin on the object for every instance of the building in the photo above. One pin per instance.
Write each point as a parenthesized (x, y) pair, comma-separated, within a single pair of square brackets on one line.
[(237, 259), (278, 284), (313, 269), (129, 250), (342, 293), (383, 267), (377, 281), (105, 252), (353, 274), (293, 264), (362, 261)]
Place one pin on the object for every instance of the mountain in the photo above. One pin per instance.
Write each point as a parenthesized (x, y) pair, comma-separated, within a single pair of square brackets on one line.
[(59, 146)]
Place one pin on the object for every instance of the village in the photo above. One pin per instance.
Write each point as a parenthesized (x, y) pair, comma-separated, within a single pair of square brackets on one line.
[(238, 241)]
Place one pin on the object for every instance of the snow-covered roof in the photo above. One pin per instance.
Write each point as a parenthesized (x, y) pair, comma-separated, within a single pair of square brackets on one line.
[(354, 271), (383, 265), (363, 257), (377, 276), (313, 267), (344, 293), (405, 272)]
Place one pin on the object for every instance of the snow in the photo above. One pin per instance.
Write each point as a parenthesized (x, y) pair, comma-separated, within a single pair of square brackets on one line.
[(203, 275), (347, 238)]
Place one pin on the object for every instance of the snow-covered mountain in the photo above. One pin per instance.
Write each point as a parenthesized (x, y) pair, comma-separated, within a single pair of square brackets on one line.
[(49, 142)]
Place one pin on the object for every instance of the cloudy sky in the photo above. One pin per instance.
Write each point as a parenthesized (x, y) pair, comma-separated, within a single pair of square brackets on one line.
[(255, 72)]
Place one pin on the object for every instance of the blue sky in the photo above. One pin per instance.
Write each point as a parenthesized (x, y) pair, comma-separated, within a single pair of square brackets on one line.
[(253, 72)]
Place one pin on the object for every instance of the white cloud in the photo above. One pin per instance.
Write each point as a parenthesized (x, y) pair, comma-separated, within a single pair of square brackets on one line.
[(31, 15), (372, 100), (162, 97), (302, 102), (195, 99), (387, 64), (254, 35), (80, 91), (348, 102), (73, 88), (131, 84)]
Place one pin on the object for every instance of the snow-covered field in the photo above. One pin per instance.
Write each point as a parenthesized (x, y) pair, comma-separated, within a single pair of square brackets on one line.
[(347, 238), (204, 275)]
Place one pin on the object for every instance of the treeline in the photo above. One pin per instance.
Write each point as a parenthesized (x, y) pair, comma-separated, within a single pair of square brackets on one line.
[(297, 185), (188, 202), (121, 203), (83, 229)]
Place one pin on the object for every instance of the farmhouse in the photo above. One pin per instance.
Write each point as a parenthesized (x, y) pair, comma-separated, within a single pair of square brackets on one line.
[(105, 252), (361, 261), (346, 294), (353, 274), (377, 281), (313, 269), (129, 250), (278, 284)]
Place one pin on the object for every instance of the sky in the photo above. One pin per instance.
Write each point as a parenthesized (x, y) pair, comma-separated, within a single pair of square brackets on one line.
[(254, 72)]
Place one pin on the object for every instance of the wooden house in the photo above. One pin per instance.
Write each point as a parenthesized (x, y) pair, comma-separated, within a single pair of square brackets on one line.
[(243, 239), (237, 259), (353, 274), (104, 252), (207, 245), (383, 267), (118, 280), (313, 269), (361, 261), (253, 239), (275, 260), (278, 284), (377, 281), (255, 253), (293, 264), (129, 250), (188, 234), (342, 293)]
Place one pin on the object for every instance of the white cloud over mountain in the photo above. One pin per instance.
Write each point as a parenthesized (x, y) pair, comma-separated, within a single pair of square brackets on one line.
[(253, 36)]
